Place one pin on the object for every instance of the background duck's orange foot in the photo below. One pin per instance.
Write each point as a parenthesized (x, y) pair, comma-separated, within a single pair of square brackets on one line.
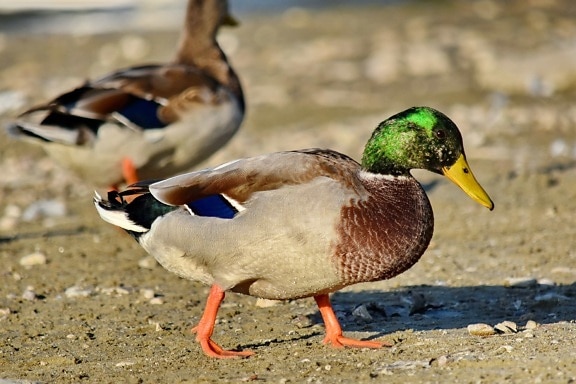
[(129, 171)]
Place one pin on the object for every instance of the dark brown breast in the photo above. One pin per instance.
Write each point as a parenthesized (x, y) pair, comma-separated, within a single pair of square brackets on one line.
[(385, 234)]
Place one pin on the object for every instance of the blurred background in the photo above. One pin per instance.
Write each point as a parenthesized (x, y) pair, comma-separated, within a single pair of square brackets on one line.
[(505, 71), (315, 74)]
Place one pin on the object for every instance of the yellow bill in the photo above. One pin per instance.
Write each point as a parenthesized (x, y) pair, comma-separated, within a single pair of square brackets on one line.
[(461, 175)]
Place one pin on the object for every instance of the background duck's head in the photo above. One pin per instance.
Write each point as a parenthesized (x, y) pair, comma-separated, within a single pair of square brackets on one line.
[(422, 137)]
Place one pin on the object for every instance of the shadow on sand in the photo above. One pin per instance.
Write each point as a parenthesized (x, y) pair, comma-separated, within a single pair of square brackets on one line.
[(425, 308)]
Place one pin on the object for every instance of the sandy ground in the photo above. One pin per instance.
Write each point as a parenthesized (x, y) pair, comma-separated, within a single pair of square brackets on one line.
[(90, 306)]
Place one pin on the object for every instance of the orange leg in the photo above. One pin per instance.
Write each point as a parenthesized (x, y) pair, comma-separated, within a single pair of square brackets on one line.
[(334, 330), (205, 327), (129, 171)]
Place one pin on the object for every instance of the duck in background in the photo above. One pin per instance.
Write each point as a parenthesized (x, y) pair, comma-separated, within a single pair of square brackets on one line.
[(148, 121), (296, 224)]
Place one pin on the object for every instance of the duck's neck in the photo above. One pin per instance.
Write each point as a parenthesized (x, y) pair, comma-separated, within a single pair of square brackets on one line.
[(198, 46), (385, 233)]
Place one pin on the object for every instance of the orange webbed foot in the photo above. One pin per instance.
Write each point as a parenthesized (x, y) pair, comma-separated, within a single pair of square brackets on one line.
[(340, 341), (205, 328), (334, 334)]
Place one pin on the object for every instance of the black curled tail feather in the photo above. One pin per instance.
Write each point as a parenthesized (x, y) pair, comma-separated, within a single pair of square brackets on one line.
[(134, 209)]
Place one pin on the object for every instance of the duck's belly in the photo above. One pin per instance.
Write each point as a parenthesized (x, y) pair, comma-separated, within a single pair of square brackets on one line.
[(276, 255)]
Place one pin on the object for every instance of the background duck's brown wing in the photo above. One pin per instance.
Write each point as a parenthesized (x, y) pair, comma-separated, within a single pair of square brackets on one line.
[(138, 98)]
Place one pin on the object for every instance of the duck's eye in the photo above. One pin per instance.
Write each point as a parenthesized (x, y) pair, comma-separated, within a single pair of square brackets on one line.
[(440, 134)]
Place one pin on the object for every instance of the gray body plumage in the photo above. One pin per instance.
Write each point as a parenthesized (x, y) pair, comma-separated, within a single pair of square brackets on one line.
[(299, 233)]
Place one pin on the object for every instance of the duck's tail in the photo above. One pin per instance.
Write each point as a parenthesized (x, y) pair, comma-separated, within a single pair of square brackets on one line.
[(134, 209)]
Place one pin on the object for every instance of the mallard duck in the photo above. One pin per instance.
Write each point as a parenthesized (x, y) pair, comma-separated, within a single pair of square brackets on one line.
[(296, 224), (149, 121)]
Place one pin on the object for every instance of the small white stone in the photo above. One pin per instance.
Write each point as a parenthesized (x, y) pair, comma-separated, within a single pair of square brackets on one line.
[(156, 301), (35, 258), (4, 312), (115, 291), (546, 281), (147, 293), (76, 291), (29, 295), (531, 324), (559, 147), (521, 282), (125, 364), (266, 303), (8, 223)]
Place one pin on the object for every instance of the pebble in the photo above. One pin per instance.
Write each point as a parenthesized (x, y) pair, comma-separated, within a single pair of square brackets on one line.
[(125, 364), (76, 291), (559, 147), (35, 258), (156, 301), (531, 324), (481, 329), (115, 291), (4, 312), (506, 327), (29, 294), (157, 326), (147, 293), (302, 321), (11, 217), (521, 282), (361, 312), (442, 360), (266, 303), (546, 281)]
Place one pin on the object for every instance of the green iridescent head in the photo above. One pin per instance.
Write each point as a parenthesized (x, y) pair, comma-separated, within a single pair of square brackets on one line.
[(422, 137), (419, 137)]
